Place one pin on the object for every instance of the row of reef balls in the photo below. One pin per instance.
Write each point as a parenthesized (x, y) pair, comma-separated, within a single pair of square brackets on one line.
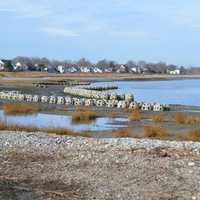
[(68, 100), (91, 94)]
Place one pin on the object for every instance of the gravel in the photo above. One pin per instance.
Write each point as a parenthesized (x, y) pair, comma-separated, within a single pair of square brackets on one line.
[(44, 167)]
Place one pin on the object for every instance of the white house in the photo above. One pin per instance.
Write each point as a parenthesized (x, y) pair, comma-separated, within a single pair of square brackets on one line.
[(71, 70), (97, 70), (85, 69), (122, 69), (174, 72), (61, 69), (108, 70), (135, 70), (2, 64), (17, 66)]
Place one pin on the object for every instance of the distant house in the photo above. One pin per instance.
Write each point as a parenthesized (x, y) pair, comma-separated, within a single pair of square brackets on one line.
[(52, 70), (2, 64), (85, 69), (97, 70), (71, 70), (174, 72), (135, 70), (20, 67), (61, 69), (30, 67), (6, 65), (108, 70), (17, 66), (122, 69)]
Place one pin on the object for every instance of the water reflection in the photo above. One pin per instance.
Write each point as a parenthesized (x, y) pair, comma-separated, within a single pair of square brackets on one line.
[(42, 120)]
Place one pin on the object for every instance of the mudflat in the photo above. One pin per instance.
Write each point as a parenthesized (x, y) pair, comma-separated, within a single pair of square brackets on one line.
[(41, 166)]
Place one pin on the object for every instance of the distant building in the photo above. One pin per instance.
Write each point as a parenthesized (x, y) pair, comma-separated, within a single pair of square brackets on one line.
[(174, 72), (135, 70), (61, 69), (71, 69), (6, 65), (108, 70), (85, 69), (20, 67), (2, 65), (52, 69), (121, 69), (97, 70)]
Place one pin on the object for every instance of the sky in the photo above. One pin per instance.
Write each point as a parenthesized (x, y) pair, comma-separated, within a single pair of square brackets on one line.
[(118, 30)]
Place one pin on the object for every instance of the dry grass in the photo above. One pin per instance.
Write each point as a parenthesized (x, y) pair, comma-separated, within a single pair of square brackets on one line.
[(83, 114), (155, 132), (122, 132), (111, 114), (58, 131), (179, 118), (192, 120), (185, 119), (192, 135), (130, 110), (20, 109), (134, 115), (157, 118)]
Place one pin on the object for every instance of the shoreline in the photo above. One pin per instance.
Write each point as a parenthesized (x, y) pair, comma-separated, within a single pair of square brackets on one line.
[(22, 76)]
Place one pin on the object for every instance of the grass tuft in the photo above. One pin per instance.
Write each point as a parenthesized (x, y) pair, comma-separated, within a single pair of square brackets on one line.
[(179, 118), (185, 119), (83, 114), (157, 118), (155, 132), (122, 132), (192, 135), (20, 109), (134, 115)]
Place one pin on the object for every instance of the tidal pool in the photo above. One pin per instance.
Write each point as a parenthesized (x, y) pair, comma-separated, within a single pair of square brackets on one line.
[(42, 120)]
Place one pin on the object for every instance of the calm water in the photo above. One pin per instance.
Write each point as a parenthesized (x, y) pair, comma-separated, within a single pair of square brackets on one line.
[(62, 121), (185, 92)]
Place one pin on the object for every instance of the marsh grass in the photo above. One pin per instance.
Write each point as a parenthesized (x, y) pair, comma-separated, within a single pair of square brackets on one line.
[(192, 135), (180, 118), (192, 120), (83, 115), (155, 132), (134, 115), (111, 114), (157, 118), (58, 131), (121, 133), (20, 109)]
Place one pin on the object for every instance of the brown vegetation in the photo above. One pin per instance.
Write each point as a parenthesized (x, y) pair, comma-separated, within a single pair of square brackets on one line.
[(20, 109), (122, 132), (192, 120), (179, 118), (157, 118), (155, 132), (83, 114), (185, 119), (58, 131), (111, 114), (134, 115), (192, 135)]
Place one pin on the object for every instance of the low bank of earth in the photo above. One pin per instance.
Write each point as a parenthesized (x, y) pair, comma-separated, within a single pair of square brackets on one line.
[(40, 167)]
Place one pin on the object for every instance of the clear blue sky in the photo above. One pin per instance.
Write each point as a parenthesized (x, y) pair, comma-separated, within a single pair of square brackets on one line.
[(151, 30)]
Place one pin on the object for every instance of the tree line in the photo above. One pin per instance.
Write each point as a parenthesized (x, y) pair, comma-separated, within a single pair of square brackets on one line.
[(159, 67)]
